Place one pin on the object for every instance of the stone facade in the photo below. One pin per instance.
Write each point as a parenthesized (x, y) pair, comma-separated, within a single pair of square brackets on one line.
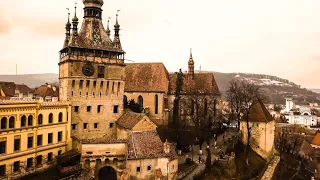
[(32, 135)]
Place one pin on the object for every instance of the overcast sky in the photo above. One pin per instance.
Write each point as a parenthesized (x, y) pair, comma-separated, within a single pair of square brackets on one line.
[(276, 37)]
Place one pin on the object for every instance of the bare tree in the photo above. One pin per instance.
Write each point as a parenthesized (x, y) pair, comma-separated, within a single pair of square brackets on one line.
[(234, 99)]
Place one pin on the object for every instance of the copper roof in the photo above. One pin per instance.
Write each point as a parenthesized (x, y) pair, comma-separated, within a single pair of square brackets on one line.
[(9, 88), (202, 82), (259, 113), (129, 119), (147, 144), (316, 139), (146, 77), (47, 90)]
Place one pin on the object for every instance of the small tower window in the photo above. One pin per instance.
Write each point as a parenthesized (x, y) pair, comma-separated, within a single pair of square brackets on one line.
[(100, 71), (81, 84), (156, 99), (118, 90)]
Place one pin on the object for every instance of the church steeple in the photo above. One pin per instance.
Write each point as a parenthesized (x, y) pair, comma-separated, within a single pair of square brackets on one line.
[(68, 28), (116, 41), (191, 65), (75, 21)]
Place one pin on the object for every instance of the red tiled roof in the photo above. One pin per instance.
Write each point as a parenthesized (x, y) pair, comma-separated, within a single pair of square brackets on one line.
[(129, 119), (259, 113), (10, 87), (146, 77), (316, 139), (45, 90), (202, 82), (147, 144)]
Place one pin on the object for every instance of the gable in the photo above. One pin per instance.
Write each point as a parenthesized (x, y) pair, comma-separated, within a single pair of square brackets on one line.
[(145, 124)]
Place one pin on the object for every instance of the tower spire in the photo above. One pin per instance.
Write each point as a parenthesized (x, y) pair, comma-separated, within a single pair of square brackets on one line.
[(68, 28), (108, 30), (191, 65), (116, 41), (75, 20)]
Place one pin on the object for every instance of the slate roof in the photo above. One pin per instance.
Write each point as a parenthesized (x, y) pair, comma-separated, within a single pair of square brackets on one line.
[(147, 144), (146, 77), (202, 82), (10, 87), (259, 113), (129, 119), (316, 139), (45, 90)]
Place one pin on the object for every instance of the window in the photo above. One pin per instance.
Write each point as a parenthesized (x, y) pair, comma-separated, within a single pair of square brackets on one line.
[(50, 135), (115, 109), (95, 125), (59, 152), (16, 166), (94, 84), (101, 85), (107, 89), (30, 142), (29, 162), (138, 169), (39, 140), (100, 71), (73, 83), (3, 145), (118, 90), (39, 160), (50, 118), (85, 125), (4, 123), (112, 90), (30, 120), (88, 108), (99, 108), (59, 136), (88, 84), (125, 101), (11, 122), (156, 101), (149, 168), (50, 157), (76, 108), (17, 142), (74, 126), (140, 101), (81, 84), (23, 121), (111, 125), (60, 117), (40, 118), (2, 170)]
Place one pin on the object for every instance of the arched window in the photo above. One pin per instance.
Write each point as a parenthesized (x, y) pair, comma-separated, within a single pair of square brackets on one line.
[(140, 101), (40, 119), (30, 120), (23, 121), (4, 123), (60, 117), (192, 106), (50, 118), (205, 106), (11, 122), (156, 101)]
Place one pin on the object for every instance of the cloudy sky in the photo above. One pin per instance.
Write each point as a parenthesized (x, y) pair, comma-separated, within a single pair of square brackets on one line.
[(276, 37)]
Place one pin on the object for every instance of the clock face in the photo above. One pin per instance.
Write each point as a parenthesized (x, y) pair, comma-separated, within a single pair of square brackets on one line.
[(88, 70)]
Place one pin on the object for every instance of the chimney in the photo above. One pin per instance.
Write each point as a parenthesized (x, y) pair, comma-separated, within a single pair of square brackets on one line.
[(166, 147), (54, 88)]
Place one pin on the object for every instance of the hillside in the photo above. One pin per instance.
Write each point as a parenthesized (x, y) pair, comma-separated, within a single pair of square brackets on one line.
[(274, 87)]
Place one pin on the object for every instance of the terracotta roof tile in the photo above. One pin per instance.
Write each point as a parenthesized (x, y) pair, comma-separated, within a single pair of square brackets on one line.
[(146, 77), (129, 119), (45, 90), (147, 144), (259, 113), (10, 87), (316, 139), (203, 82)]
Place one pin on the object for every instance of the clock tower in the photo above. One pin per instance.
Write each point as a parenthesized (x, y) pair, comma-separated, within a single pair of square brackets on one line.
[(91, 73)]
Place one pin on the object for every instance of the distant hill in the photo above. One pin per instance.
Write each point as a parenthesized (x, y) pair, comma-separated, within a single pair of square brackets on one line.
[(274, 87), (31, 80)]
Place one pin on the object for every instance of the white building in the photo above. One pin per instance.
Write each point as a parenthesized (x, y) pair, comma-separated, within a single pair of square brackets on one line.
[(299, 114)]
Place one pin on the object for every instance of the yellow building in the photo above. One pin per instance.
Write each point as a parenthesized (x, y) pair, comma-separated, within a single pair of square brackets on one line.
[(32, 135), (262, 128)]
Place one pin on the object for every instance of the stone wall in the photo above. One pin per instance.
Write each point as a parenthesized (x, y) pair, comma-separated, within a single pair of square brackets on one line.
[(271, 167)]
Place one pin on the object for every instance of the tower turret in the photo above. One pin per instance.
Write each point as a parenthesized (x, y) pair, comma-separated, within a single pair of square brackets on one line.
[(116, 41), (75, 21), (68, 28), (108, 30), (191, 65)]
